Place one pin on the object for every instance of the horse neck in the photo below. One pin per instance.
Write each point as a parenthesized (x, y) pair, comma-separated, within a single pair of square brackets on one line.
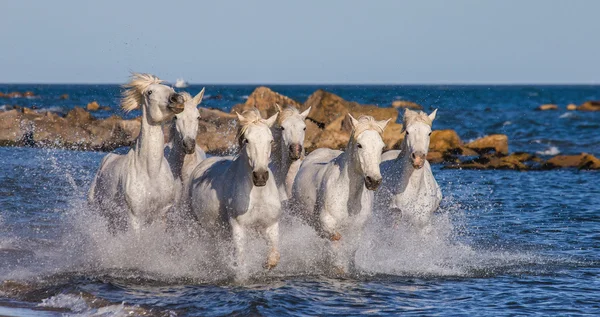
[(240, 170), (281, 159), (349, 164), (407, 172), (149, 147), (176, 155)]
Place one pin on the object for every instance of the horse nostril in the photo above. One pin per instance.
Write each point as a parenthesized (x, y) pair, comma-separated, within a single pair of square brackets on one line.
[(176, 98), (413, 155)]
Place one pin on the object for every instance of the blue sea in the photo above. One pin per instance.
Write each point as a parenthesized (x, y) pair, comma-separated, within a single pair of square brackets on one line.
[(505, 243)]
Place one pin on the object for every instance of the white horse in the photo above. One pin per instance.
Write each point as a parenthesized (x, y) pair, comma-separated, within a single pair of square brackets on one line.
[(139, 185), (181, 150), (233, 196), (333, 190), (409, 189), (288, 133)]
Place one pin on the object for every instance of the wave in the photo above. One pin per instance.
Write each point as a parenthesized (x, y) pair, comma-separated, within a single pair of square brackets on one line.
[(553, 150)]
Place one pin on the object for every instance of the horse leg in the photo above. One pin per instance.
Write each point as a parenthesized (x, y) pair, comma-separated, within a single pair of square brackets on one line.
[(239, 238), (272, 235)]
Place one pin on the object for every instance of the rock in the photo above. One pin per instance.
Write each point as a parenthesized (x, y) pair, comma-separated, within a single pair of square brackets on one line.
[(327, 107), (392, 136), (264, 100), (29, 111), (79, 116), (589, 162), (581, 161), (406, 104), (547, 107), (443, 141), (64, 97), (28, 94), (435, 157), (92, 106), (495, 142), (571, 107), (336, 140), (590, 106)]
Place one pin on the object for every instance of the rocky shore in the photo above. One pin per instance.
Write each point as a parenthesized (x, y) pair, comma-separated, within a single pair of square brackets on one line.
[(327, 126)]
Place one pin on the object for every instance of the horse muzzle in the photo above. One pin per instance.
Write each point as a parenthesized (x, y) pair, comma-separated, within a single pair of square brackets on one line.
[(176, 103), (295, 151), (260, 178), (372, 183), (418, 160), (189, 145)]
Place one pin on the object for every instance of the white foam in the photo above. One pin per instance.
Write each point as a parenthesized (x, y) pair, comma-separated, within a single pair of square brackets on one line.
[(553, 150), (567, 115)]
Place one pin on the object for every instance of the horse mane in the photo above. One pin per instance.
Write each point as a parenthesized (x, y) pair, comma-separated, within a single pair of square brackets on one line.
[(286, 113), (133, 96), (365, 123), (251, 117), (411, 117)]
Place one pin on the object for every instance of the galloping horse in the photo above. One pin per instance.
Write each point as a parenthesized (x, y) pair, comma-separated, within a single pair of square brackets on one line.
[(139, 186), (333, 190), (409, 190), (232, 196)]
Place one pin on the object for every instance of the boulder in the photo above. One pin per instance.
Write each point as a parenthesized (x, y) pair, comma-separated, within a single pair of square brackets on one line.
[(435, 157), (443, 141), (571, 107), (590, 106), (406, 104), (336, 140), (327, 107), (264, 100), (92, 106), (64, 97), (547, 107), (589, 162), (79, 116), (392, 136), (495, 142), (581, 161)]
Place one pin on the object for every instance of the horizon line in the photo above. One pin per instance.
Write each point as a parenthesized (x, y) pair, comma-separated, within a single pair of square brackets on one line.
[(327, 84)]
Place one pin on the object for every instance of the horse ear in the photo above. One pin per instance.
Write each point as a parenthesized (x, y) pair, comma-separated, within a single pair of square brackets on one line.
[(240, 118), (353, 121), (383, 123), (198, 97), (408, 112), (272, 119), (278, 107), (432, 115), (305, 113)]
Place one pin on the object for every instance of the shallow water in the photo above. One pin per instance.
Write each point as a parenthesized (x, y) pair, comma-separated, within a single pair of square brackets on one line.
[(504, 243)]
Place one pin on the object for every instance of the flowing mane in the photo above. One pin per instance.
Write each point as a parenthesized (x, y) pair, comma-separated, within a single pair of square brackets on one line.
[(411, 117), (366, 123), (251, 117), (285, 113), (133, 96)]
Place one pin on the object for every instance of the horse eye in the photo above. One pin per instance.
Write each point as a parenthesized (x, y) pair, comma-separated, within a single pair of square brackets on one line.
[(282, 128), (198, 118), (359, 146), (406, 132), (149, 92), (429, 133), (175, 118), (304, 128), (246, 141)]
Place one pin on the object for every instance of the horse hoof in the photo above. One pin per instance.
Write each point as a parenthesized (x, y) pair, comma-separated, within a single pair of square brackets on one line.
[(335, 237), (339, 271), (272, 261)]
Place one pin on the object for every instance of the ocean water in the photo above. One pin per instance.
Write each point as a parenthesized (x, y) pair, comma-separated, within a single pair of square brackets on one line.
[(504, 242)]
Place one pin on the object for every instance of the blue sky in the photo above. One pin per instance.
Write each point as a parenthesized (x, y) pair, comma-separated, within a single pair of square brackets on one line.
[(257, 42)]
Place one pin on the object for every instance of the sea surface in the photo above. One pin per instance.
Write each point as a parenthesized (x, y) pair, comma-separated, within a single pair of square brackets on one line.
[(504, 243)]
